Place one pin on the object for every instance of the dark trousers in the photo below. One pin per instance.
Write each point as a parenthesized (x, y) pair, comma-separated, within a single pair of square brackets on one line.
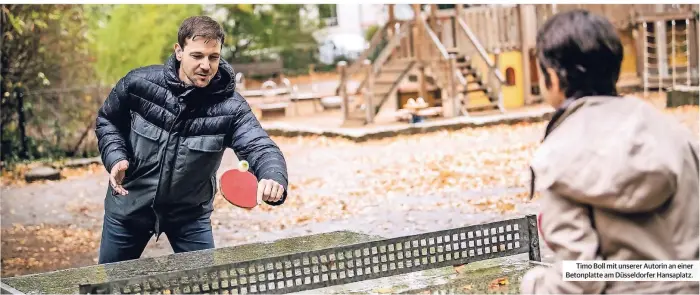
[(126, 239)]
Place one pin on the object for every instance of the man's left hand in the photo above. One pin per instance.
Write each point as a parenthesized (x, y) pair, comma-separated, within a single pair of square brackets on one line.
[(269, 190)]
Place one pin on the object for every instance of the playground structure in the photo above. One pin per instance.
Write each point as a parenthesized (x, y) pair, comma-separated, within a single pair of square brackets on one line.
[(466, 59), (462, 61)]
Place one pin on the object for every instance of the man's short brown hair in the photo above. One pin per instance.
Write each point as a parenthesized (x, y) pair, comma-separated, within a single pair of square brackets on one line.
[(200, 26)]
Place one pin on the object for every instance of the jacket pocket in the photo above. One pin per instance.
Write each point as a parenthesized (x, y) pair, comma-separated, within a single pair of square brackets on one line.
[(145, 139), (202, 154), (196, 164)]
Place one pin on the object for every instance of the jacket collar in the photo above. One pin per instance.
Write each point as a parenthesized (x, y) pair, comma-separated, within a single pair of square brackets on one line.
[(223, 83)]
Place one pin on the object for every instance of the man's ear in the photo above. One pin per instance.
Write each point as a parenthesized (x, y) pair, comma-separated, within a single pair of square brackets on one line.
[(554, 79), (178, 51)]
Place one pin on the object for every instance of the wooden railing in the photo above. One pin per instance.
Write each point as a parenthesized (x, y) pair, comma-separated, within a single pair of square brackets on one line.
[(457, 33), (386, 44), (494, 76), (480, 49), (401, 33), (441, 64), (375, 44), (381, 40), (497, 27)]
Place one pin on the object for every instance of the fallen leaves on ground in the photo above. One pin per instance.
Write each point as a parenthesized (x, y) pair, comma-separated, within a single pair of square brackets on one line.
[(502, 204), (385, 290), (459, 268), (15, 177), (45, 248), (498, 283), (337, 179)]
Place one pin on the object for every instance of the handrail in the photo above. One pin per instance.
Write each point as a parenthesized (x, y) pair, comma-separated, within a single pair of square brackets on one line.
[(443, 51), (460, 77), (373, 43), (482, 52), (434, 38), (386, 52), (355, 66)]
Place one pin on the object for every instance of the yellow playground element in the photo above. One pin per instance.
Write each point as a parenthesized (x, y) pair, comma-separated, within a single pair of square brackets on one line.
[(510, 64)]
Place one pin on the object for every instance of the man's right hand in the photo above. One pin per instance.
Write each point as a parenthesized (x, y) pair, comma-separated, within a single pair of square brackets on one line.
[(117, 176)]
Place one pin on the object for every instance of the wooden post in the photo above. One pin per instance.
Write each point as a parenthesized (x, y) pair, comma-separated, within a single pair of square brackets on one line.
[(645, 72), (526, 25), (416, 32), (661, 44), (342, 71), (418, 51), (312, 73), (459, 14), (638, 35), (390, 31), (434, 21), (19, 95), (459, 10), (693, 50), (496, 66), (392, 16), (454, 96), (423, 86), (369, 91)]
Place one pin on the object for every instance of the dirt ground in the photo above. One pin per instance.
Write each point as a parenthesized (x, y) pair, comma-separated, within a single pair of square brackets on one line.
[(390, 187)]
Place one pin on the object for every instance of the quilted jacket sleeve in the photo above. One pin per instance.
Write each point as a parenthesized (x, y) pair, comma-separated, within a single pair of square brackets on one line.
[(113, 121), (252, 143)]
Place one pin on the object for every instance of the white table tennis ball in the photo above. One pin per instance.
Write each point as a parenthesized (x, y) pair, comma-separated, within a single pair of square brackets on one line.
[(243, 166)]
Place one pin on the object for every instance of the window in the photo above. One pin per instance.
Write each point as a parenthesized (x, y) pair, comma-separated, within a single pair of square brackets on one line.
[(510, 77)]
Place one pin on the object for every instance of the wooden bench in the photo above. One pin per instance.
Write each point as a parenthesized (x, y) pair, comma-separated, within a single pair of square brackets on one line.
[(272, 109), (304, 97), (263, 92)]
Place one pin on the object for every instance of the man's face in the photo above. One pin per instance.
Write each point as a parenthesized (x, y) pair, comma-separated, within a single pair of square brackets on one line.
[(199, 60)]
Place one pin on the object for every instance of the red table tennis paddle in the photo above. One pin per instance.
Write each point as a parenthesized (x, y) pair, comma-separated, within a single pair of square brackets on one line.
[(240, 187)]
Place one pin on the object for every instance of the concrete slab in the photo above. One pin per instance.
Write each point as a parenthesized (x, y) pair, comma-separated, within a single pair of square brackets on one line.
[(474, 278), (67, 281)]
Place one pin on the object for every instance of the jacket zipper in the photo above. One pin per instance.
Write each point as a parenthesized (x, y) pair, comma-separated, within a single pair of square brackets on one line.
[(180, 108)]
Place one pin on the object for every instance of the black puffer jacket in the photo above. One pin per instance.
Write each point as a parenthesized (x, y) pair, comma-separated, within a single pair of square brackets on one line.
[(174, 136)]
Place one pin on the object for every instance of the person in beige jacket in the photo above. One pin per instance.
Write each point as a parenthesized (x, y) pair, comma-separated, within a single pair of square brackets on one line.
[(618, 177)]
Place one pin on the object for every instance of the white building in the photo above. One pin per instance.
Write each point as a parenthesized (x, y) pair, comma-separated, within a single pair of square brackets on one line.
[(344, 34)]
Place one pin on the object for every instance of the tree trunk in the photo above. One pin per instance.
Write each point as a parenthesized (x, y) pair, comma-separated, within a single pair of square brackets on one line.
[(19, 93)]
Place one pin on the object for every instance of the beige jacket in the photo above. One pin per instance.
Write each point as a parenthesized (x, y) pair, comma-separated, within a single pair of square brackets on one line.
[(619, 181)]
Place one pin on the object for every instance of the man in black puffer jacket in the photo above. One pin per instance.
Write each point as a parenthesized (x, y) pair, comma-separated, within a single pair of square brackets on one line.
[(162, 133)]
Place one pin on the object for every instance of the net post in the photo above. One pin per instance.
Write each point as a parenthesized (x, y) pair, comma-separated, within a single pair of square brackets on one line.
[(534, 238)]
